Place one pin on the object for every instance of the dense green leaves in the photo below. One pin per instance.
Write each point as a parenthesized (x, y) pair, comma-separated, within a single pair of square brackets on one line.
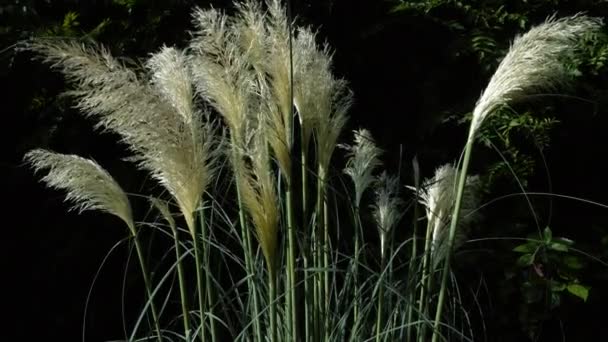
[(553, 269)]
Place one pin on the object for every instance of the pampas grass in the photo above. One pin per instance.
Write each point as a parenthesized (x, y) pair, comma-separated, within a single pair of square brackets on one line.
[(388, 207), (156, 120), (534, 62), (438, 197), (387, 211), (260, 197), (90, 187), (258, 72), (363, 159)]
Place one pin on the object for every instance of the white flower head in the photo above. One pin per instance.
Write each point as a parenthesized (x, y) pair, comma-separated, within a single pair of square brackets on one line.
[(438, 195), (388, 207), (363, 160)]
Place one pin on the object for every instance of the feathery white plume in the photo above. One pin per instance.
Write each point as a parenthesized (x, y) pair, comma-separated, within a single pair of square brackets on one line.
[(363, 158), (388, 207), (438, 195), (534, 62), (157, 121), (88, 185)]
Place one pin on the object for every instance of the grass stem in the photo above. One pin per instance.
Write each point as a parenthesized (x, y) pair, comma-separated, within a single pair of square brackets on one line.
[(452, 232), (148, 285)]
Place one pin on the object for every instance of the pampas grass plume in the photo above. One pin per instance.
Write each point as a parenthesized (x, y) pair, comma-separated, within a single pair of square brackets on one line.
[(363, 158), (388, 207), (88, 185), (535, 62), (438, 196)]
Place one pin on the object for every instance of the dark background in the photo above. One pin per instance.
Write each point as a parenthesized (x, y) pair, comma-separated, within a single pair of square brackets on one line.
[(409, 70)]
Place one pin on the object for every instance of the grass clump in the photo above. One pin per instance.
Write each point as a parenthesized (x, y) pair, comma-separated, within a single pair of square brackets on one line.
[(272, 88)]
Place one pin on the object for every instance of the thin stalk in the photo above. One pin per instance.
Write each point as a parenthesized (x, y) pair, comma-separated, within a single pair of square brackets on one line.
[(147, 284), (380, 299), (425, 282), (291, 297), (391, 253), (316, 281), (321, 252), (356, 293), (323, 222), (304, 157), (253, 292), (291, 266), (199, 285), (246, 237), (410, 308), (208, 283), (305, 253), (272, 294), (452, 232), (318, 245), (326, 250), (182, 283), (308, 300)]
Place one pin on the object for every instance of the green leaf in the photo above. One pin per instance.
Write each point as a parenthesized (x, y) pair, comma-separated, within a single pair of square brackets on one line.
[(579, 290), (514, 123), (70, 20), (558, 247), (547, 234), (525, 260), (563, 241), (529, 247)]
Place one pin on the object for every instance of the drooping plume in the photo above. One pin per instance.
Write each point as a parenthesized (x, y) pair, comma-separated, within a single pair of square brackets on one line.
[(535, 62), (259, 194), (88, 185), (156, 120)]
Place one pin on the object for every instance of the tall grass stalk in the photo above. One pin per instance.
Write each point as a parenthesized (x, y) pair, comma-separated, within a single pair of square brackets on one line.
[(291, 266), (319, 252), (91, 187), (363, 159), (205, 236), (272, 302), (166, 214), (200, 282), (414, 255), (221, 77), (534, 62), (249, 262), (387, 211)]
